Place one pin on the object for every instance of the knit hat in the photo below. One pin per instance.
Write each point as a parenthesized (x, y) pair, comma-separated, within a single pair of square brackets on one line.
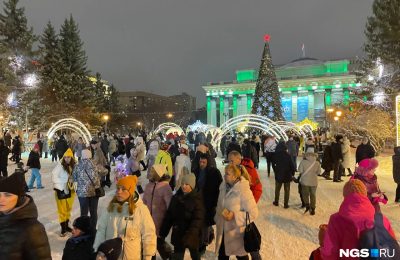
[(86, 154), (68, 153), (354, 186), (189, 179), (129, 183), (111, 248), (82, 223), (369, 164), (184, 146), (14, 184), (36, 147), (160, 169)]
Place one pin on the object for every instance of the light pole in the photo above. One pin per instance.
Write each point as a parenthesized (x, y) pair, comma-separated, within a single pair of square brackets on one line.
[(106, 118), (170, 115), (139, 124)]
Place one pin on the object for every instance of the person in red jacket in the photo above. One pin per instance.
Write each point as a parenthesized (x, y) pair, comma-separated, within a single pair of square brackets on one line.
[(247, 164)]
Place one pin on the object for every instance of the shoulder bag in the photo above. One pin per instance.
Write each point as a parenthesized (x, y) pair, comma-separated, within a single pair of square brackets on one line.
[(99, 191)]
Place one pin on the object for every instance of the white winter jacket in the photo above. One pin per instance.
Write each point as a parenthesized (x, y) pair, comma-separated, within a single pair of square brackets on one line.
[(240, 200), (137, 231), (346, 154), (60, 178), (181, 161)]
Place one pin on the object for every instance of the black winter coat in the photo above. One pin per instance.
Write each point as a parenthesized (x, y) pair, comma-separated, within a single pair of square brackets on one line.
[(233, 146), (364, 151), (396, 168), (79, 248), (336, 152), (22, 236), (327, 163), (210, 193), (4, 151), (33, 160), (16, 146), (61, 147), (248, 151), (282, 165), (185, 215)]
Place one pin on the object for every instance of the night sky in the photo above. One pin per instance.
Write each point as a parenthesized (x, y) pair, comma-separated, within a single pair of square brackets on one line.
[(173, 46)]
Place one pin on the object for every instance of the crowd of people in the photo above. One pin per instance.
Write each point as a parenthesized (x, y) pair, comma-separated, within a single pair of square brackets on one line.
[(185, 194)]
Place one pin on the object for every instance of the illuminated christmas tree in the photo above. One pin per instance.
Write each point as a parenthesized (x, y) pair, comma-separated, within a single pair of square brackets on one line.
[(267, 100)]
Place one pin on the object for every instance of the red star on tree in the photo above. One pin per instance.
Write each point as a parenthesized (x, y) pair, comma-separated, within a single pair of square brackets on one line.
[(267, 38)]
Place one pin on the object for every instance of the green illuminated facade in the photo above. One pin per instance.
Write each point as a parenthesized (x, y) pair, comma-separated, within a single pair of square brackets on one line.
[(307, 86)]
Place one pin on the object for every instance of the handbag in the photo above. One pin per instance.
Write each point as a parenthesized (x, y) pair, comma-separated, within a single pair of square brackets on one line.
[(98, 191), (252, 237), (61, 195)]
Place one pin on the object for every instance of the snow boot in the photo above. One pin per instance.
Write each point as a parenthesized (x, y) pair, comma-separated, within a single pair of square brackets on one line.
[(67, 228), (63, 230), (307, 209), (275, 203), (312, 212)]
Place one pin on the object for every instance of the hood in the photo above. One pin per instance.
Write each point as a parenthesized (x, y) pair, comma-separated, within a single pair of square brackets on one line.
[(311, 157), (359, 209), (27, 210), (246, 162)]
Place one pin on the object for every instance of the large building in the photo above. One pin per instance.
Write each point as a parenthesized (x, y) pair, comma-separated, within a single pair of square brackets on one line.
[(307, 86)]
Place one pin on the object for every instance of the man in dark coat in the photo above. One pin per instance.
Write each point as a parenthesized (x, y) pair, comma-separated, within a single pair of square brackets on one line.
[(337, 158), (327, 163), (396, 171), (61, 146), (4, 151), (16, 149), (8, 139), (186, 215), (104, 144), (208, 181), (233, 146), (365, 150), (22, 236), (249, 151), (284, 170)]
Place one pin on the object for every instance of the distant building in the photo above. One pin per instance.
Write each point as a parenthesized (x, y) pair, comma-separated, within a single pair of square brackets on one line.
[(307, 86)]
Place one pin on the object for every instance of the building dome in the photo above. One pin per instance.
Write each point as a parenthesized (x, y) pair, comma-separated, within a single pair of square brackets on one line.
[(306, 61)]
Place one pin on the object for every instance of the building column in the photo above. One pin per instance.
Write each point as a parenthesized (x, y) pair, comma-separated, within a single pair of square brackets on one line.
[(234, 105), (294, 106), (221, 110), (328, 97), (249, 103), (209, 110), (311, 104), (346, 97)]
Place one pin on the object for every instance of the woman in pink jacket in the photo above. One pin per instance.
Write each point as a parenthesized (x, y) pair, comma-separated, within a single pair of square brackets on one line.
[(157, 196), (355, 215)]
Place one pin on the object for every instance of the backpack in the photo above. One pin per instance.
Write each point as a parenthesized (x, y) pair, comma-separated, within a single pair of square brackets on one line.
[(379, 237)]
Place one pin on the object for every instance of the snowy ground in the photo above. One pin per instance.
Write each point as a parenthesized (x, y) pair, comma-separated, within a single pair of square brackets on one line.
[(286, 233)]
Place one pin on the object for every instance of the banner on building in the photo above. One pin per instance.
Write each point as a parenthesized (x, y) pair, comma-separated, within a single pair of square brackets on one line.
[(302, 107), (287, 107)]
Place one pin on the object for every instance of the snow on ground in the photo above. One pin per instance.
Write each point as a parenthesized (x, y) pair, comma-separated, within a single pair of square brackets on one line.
[(286, 233)]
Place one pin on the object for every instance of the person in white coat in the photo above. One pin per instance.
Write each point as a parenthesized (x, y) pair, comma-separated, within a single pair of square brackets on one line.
[(128, 218), (234, 201), (64, 191), (183, 160), (346, 164), (154, 146), (141, 150)]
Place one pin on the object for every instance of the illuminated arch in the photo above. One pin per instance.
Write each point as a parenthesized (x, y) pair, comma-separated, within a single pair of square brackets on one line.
[(167, 126), (73, 125), (254, 121)]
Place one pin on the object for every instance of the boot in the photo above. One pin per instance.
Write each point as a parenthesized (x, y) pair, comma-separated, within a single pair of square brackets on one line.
[(312, 211), (67, 228), (63, 230), (307, 209)]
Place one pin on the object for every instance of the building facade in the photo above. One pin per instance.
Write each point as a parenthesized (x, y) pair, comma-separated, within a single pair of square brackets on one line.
[(307, 86)]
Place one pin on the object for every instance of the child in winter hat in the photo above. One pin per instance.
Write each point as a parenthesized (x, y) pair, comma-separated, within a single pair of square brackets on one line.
[(80, 244)]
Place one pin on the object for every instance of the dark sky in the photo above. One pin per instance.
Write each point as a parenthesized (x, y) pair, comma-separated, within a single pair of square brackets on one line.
[(171, 46)]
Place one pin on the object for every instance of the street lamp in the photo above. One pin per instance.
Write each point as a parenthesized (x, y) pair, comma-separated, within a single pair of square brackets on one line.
[(338, 113), (106, 118), (139, 124), (170, 115)]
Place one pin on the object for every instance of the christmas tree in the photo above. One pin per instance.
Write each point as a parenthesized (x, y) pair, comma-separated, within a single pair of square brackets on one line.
[(267, 101)]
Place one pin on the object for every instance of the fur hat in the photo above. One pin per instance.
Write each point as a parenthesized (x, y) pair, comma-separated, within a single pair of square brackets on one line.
[(369, 164), (86, 154), (82, 223), (14, 184), (160, 169), (111, 248), (129, 183), (68, 153), (354, 186), (189, 179)]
